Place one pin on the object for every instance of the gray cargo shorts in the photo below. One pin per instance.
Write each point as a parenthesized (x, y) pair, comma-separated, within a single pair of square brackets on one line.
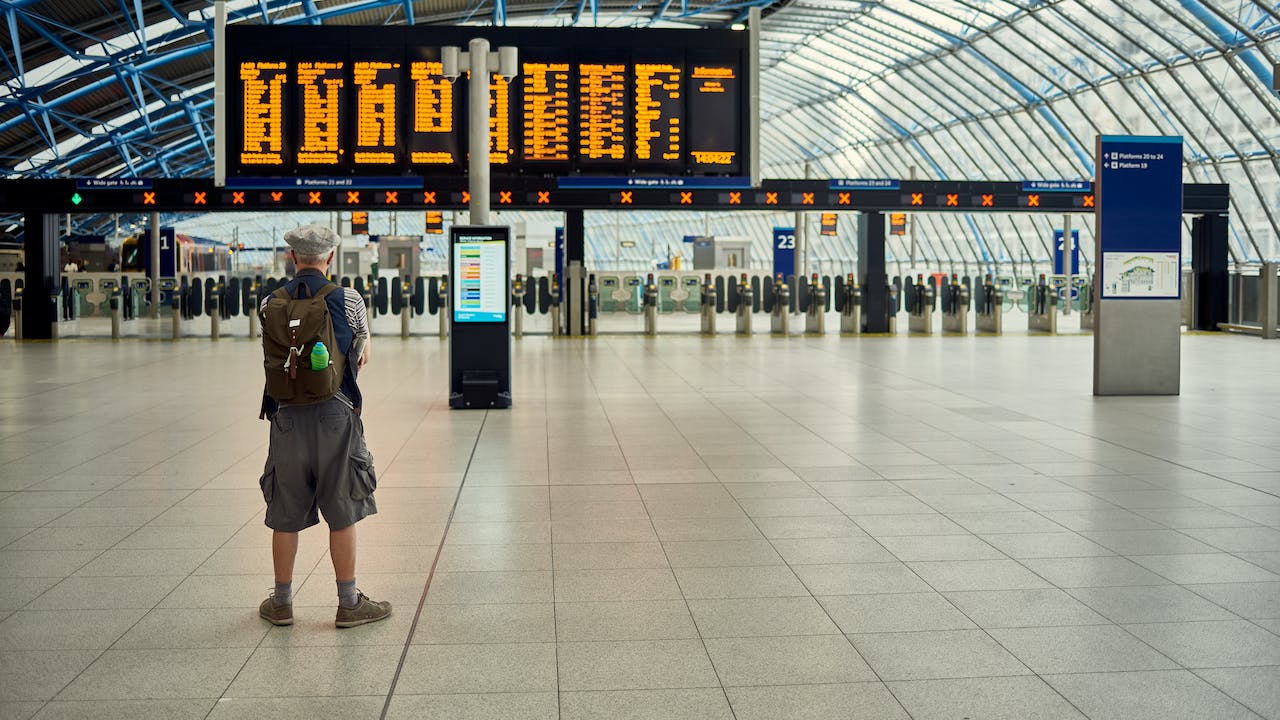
[(317, 464)]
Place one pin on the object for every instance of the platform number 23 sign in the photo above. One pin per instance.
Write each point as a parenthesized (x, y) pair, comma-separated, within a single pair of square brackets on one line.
[(785, 241)]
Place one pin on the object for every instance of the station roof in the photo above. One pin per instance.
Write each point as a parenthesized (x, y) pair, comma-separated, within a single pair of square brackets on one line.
[(945, 89)]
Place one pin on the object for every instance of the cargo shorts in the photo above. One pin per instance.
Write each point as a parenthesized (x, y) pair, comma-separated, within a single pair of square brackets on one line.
[(317, 464)]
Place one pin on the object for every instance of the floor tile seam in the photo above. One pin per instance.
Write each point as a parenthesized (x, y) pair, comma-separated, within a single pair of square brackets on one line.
[(422, 600)]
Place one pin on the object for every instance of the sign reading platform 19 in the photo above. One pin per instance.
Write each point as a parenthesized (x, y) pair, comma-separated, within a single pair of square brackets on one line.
[(336, 101)]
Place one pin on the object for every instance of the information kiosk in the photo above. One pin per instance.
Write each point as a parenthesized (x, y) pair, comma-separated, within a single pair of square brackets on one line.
[(480, 337)]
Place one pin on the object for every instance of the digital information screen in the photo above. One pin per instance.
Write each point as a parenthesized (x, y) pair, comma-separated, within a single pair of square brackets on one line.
[(320, 99), (376, 85), (480, 279), (329, 101), (546, 111), (262, 86)]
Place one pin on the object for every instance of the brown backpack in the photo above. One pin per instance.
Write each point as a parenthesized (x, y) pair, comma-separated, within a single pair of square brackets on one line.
[(291, 326)]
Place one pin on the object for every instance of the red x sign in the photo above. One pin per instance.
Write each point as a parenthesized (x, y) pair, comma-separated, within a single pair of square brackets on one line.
[(237, 198), (953, 200), (148, 198), (735, 198), (393, 197), (504, 197), (199, 198), (624, 197), (686, 197), (313, 197), (1033, 201), (806, 198), (843, 198), (353, 197), (428, 198), (277, 196), (988, 201), (544, 197), (1088, 201), (466, 197), (917, 198), (771, 198)]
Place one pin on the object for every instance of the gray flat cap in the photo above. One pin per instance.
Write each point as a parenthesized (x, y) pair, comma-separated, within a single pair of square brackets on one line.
[(312, 239)]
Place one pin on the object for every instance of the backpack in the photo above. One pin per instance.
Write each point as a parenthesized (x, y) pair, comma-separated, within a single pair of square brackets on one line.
[(291, 326)]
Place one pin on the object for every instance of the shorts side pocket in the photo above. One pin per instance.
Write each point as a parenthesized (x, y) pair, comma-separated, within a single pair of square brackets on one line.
[(268, 483), (363, 478)]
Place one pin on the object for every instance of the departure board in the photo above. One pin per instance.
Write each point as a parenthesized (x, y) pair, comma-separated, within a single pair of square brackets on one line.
[(262, 86), (659, 114), (376, 87), (432, 136), (546, 88), (329, 101), (714, 92), (320, 115), (500, 146)]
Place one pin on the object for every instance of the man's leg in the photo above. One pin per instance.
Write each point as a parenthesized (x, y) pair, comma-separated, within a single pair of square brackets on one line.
[(278, 609), (284, 548), (342, 548)]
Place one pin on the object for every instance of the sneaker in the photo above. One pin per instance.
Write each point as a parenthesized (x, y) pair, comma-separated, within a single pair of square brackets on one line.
[(276, 614), (366, 611)]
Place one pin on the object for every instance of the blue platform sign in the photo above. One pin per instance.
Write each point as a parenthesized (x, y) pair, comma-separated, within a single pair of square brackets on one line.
[(784, 251), (168, 252), (1058, 252), (1139, 216)]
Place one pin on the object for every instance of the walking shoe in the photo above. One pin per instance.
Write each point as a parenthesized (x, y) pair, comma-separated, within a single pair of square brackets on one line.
[(276, 614), (365, 611)]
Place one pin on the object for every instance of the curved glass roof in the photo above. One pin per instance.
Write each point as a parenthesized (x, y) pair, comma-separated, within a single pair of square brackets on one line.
[(945, 89)]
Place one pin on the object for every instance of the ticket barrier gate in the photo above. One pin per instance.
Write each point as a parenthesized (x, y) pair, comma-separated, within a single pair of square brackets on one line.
[(746, 296), (1042, 309), (851, 307), (442, 307), (517, 305), (921, 302), (816, 312), (988, 308), (251, 307), (894, 293), (955, 307), (593, 304), (651, 306), (213, 306), (556, 330), (779, 320), (708, 308), (1084, 293)]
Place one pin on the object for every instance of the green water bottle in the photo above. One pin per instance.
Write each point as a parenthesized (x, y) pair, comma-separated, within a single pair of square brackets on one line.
[(319, 357)]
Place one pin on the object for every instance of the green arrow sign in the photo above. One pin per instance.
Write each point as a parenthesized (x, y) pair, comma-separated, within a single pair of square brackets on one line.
[(75, 199)]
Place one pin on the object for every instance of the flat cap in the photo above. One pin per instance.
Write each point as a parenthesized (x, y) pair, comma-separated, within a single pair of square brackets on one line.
[(312, 239)]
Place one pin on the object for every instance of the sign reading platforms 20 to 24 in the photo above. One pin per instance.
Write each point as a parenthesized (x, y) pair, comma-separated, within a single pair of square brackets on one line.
[(374, 101)]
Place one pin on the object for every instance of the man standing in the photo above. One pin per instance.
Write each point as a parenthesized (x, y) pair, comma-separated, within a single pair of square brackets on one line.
[(317, 462)]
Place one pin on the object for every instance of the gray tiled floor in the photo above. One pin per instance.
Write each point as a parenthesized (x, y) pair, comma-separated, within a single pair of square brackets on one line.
[(680, 528)]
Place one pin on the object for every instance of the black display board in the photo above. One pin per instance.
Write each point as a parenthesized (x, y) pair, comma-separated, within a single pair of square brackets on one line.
[(480, 326), (372, 101)]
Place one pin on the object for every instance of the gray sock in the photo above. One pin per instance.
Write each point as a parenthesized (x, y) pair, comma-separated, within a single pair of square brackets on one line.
[(348, 596), (284, 594)]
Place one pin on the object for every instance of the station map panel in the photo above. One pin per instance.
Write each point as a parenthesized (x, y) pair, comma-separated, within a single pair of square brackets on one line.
[(331, 102)]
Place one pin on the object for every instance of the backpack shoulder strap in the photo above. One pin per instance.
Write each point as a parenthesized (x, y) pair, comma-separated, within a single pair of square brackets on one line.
[(322, 292), (281, 292)]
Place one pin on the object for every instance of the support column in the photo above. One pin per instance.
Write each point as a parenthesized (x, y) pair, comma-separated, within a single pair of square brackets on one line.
[(155, 264), (478, 130), (43, 275), (574, 251), (1209, 267), (872, 275)]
